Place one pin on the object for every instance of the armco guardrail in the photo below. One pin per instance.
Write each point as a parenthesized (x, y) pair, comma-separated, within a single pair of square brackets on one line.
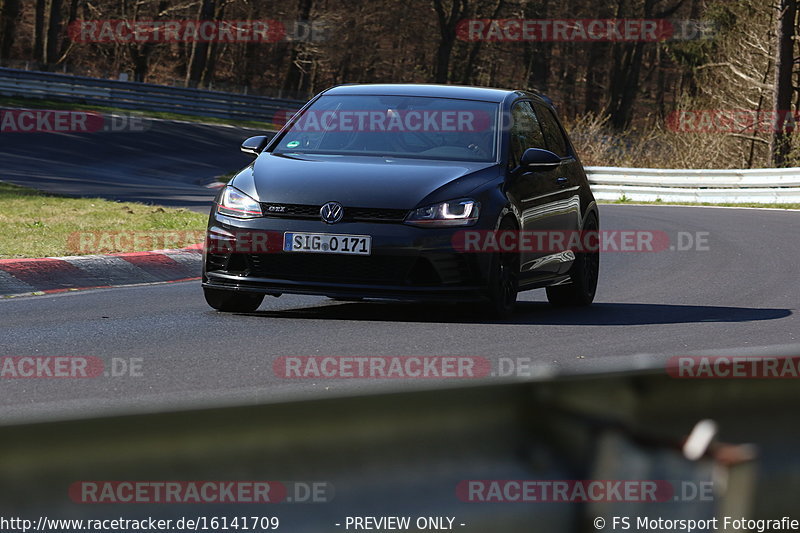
[(764, 185), (142, 96)]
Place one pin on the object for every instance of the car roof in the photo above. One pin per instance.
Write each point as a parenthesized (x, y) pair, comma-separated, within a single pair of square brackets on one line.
[(436, 91)]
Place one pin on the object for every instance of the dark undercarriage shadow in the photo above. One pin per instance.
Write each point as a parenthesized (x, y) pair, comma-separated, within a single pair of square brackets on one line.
[(532, 313)]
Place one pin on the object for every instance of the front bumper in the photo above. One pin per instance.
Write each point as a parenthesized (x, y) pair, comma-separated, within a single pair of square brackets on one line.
[(406, 262)]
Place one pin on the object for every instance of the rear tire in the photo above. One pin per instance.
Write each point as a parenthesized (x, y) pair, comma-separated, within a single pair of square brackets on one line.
[(233, 301), (504, 279), (583, 275)]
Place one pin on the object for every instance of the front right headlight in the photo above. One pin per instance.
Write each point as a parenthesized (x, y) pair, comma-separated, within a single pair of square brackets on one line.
[(235, 203), (462, 212)]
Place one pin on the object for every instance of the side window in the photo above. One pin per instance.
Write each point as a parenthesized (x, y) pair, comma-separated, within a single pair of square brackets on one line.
[(553, 135), (525, 131)]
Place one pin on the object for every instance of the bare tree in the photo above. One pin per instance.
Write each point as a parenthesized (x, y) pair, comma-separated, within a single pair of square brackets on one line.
[(38, 30), (475, 50), (628, 57), (296, 79), (53, 32), (199, 57), (8, 26), (447, 35), (782, 102), (72, 16)]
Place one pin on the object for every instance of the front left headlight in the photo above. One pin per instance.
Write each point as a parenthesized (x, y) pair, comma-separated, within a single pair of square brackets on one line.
[(235, 203), (448, 214)]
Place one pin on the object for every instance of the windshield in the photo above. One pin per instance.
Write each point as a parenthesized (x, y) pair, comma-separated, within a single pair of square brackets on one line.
[(395, 126)]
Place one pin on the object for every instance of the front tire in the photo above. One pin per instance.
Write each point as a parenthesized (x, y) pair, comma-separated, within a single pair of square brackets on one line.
[(233, 301), (504, 279), (583, 275)]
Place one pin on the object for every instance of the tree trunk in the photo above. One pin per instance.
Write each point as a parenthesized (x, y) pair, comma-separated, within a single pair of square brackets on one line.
[(596, 72), (622, 115), (596, 78), (8, 26), (199, 57), (689, 78), (246, 67), (627, 70), (447, 36), (538, 55), (74, 5), (53, 32), (472, 58), (213, 52), (781, 136), (296, 79), (38, 30), (442, 69)]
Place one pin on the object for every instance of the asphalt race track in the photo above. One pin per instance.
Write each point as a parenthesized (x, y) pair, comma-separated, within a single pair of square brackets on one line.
[(167, 162), (740, 295)]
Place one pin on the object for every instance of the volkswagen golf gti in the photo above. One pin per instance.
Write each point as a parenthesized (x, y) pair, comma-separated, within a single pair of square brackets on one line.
[(372, 191)]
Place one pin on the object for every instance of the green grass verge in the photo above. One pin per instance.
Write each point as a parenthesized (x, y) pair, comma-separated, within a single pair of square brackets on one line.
[(659, 202), (36, 224), (37, 103)]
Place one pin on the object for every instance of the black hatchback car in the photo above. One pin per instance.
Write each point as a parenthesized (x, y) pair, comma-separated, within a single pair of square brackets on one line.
[(379, 191)]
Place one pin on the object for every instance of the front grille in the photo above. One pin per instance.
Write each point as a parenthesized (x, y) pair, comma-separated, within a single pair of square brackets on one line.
[(290, 210), (375, 215), (429, 270), (333, 268), (351, 214)]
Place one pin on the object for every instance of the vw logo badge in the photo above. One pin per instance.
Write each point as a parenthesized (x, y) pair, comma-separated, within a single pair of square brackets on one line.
[(332, 212)]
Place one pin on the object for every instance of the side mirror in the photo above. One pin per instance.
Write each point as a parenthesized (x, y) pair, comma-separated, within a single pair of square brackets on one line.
[(538, 159), (254, 145)]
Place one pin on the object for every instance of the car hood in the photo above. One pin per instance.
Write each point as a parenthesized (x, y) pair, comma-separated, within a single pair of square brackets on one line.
[(359, 181)]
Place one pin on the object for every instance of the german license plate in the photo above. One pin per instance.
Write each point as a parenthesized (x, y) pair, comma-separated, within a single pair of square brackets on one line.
[(326, 243)]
